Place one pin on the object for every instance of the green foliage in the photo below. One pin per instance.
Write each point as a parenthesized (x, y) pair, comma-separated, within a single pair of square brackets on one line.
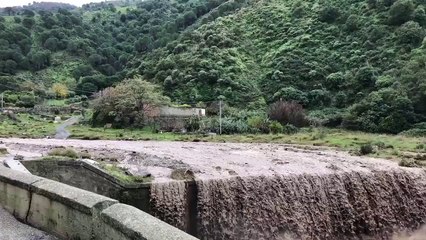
[(331, 55), (276, 127), (418, 130), (366, 149), (290, 129), (192, 124), (386, 110), (419, 15), (129, 104), (411, 33), (407, 163), (259, 124), (352, 23), (329, 14), (64, 152), (233, 126)]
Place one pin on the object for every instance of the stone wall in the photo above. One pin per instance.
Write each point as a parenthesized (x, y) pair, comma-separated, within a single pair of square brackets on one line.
[(72, 213)]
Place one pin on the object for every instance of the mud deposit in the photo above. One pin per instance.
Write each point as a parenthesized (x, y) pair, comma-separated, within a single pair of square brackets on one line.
[(267, 191)]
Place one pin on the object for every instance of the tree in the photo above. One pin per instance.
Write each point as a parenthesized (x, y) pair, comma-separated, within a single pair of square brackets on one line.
[(329, 14), (189, 18), (410, 33), (60, 90), (28, 22), (291, 94), (39, 59), (352, 23), (10, 66), (143, 44), (420, 16), (51, 44), (401, 12), (95, 60), (28, 13), (128, 104), (288, 113), (123, 18), (82, 70)]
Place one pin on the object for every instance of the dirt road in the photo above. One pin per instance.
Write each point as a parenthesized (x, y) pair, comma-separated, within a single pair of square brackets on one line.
[(211, 160)]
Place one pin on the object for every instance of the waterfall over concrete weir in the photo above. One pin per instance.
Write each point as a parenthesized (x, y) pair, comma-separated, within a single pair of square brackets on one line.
[(268, 191), (170, 203), (344, 205)]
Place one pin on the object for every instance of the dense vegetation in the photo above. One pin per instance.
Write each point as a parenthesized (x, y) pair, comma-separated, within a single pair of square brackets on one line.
[(360, 64)]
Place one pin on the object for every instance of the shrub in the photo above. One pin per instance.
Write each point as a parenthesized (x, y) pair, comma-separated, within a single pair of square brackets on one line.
[(64, 152), (192, 124), (366, 149), (327, 117), (418, 130), (233, 126), (276, 127), (3, 151), (259, 123), (288, 113), (27, 101), (407, 163), (290, 129)]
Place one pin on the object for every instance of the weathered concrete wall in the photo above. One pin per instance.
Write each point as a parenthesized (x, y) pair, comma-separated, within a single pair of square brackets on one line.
[(72, 213), (85, 176)]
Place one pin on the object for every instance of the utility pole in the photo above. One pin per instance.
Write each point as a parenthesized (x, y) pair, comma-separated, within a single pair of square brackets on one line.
[(220, 117), (2, 102)]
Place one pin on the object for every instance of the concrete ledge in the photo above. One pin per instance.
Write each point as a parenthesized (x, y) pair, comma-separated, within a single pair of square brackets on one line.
[(15, 195), (75, 198), (122, 221), (66, 211), (73, 213), (16, 178)]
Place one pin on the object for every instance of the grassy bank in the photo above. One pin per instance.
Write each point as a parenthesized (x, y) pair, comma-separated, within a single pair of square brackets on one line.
[(390, 146), (382, 145)]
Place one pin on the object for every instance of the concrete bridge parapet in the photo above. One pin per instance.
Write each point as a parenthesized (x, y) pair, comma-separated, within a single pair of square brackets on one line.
[(73, 213)]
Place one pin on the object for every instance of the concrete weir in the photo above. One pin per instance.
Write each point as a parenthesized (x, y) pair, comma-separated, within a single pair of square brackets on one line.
[(345, 205)]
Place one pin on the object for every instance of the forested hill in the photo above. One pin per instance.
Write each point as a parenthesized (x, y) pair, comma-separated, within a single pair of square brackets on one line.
[(360, 61)]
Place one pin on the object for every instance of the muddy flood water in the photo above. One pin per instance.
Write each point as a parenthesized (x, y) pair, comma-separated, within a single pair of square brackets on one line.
[(268, 191)]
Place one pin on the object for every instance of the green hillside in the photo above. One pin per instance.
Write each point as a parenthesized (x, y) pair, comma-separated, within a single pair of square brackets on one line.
[(356, 64)]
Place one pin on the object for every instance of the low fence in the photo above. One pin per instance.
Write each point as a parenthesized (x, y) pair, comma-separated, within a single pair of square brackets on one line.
[(72, 213)]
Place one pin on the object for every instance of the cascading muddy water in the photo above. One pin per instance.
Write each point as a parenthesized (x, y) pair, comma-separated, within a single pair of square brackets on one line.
[(170, 203), (345, 205)]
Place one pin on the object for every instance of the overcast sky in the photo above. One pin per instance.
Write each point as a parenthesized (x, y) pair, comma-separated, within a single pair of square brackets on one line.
[(10, 3)]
